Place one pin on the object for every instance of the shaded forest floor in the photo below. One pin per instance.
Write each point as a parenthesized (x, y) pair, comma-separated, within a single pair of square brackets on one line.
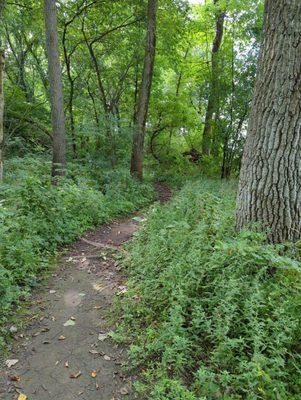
[(65, 352)]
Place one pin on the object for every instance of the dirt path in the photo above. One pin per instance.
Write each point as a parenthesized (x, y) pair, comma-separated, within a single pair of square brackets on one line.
[(64, 352)]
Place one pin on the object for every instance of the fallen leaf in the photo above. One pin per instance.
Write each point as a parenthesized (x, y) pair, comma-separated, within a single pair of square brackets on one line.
[(46, 342), (82, 294), (102, 337), (96, 386), (52, 291), (107, 358), (94, 374), (11, 363), (15, 378), (62, 337), (97, 307), (93, 352), (98, 286), (66, 364), (69, 323), (75, 375), (22, 397), (73, 318), (124, 390)]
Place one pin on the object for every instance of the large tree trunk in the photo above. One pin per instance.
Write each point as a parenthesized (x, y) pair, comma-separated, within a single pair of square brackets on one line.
[(144, 95), (56, 90), (212, 100), (1, 113), (270, 181)]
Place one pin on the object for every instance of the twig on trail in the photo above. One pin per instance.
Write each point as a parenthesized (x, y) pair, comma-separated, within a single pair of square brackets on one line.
[(103, 245)]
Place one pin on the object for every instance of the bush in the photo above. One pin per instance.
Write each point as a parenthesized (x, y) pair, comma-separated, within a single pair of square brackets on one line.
[(36, 218), (212, 313)]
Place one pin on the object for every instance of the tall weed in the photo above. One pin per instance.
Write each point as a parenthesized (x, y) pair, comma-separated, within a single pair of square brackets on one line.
[(211, 313)]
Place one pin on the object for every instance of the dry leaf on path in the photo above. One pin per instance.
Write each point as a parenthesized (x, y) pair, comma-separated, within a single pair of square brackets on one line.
[(70, 322), (11, 363), (15, 378), (107, 358), (75, 375), (102, 337), (62, 337), (94, 374), (98, 286), (124, 391), (22, 397)]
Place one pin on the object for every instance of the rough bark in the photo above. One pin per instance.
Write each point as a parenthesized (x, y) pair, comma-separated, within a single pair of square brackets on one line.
[(144, 94), (211, 105), (1, 113), (56, 90), (270, 181), (71, 90)]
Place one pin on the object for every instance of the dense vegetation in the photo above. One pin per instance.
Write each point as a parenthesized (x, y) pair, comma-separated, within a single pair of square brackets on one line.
[(102, 50), (99, 99), (211, 313), (36, 218)]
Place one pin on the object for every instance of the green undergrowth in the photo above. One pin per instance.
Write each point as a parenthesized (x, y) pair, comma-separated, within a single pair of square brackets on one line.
[(211, 313), (36, 218)]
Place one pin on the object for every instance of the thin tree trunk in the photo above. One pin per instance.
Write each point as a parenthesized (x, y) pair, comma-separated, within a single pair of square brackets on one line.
[(56, 90), (103, 99), (144, 95), (71, 115), (71, 90), (136, 92), (2, 60), (211, 106), (270, 182)]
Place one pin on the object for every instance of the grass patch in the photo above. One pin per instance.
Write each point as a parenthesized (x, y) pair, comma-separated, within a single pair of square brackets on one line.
[(211, 313)]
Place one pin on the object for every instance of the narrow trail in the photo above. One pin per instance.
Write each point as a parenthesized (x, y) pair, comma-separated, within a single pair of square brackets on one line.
[(64, 352)]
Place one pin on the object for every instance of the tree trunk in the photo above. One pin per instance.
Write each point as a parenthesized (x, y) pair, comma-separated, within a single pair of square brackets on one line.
[(103, 98), (211, 106), (71, 90), (270, 181), (56, 90), (1, 113), (145, 90), (71, 115)]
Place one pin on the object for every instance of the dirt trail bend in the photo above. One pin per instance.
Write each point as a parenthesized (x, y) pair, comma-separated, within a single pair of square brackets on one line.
[(65, 352)]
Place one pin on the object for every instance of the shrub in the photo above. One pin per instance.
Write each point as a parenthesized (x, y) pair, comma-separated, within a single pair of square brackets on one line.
[(212, 313), (36, 218)]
